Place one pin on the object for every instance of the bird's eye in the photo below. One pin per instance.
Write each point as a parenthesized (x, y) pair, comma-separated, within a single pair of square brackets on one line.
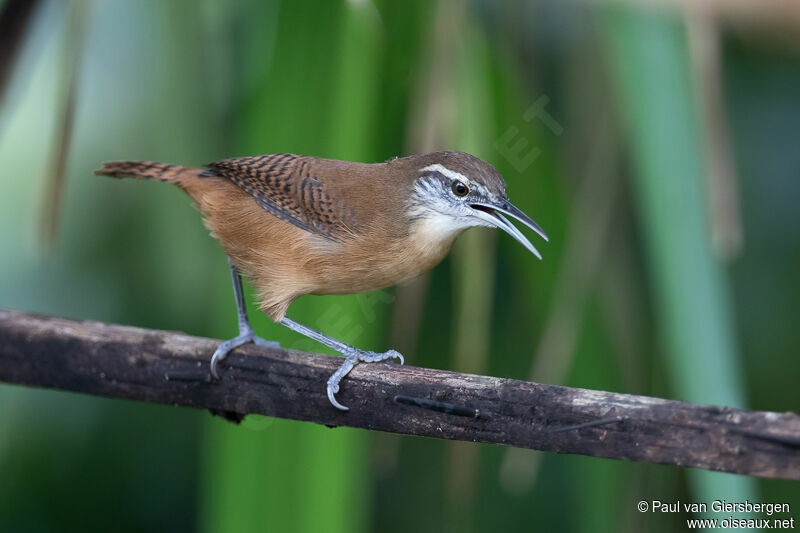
[(459, 188)]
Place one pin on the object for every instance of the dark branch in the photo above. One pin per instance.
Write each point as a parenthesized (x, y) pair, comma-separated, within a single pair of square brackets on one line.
[(172, 368)]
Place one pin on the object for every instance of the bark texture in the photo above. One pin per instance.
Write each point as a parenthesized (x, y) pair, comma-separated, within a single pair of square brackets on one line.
[(173, 368)]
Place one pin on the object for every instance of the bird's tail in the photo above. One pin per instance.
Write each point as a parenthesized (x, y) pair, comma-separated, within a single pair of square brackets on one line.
[(178, 175)]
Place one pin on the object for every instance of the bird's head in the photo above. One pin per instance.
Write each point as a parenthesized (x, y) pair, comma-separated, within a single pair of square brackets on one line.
[(453, 191)]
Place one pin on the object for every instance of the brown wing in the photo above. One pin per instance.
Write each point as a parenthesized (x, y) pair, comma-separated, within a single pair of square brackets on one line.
[(284, 185)]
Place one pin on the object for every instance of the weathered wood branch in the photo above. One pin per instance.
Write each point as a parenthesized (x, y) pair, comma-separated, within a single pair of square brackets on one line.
[(172, 368)]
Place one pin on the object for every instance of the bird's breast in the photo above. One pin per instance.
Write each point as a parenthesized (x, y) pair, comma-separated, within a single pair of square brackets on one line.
[(374, 261)]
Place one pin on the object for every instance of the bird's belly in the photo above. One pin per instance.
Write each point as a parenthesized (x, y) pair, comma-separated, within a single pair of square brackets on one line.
[(376, 268)]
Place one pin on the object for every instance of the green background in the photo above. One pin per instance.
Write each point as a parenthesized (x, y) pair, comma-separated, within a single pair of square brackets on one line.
[(658, 149)]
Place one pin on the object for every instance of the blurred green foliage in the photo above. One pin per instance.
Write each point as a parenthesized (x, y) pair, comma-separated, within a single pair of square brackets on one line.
[(533, 88)]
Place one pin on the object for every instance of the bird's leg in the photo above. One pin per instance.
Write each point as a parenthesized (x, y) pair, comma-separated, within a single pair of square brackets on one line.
[(246, 333), (352, 355)]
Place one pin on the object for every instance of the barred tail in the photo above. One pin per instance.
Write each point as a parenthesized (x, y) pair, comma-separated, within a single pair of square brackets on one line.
[(146, 170)]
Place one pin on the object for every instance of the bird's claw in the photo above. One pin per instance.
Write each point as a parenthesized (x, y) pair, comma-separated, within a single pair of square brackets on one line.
[(363, 356), (332, 390), (228, 346), (258, 341), (397, 355), (354, 356)]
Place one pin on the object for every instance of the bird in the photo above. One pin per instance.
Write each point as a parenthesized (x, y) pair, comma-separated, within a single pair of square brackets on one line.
[(296, 225)]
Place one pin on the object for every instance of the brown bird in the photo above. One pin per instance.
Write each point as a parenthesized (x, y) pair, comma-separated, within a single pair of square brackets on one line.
[(296, 225)]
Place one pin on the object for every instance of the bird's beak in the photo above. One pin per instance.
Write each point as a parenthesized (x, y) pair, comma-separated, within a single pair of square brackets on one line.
[(493, 215)]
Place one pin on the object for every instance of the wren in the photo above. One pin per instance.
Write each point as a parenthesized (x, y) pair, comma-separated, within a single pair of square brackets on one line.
[(296, 225)]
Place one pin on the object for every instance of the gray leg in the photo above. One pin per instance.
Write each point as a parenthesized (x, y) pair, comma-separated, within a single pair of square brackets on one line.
[(246, 333), (352, 355)]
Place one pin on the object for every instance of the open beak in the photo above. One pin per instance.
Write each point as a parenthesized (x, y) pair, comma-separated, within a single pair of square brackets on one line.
[(493, 215)]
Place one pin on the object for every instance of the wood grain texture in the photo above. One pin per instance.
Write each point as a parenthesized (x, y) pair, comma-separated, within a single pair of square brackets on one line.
[(172, 368)]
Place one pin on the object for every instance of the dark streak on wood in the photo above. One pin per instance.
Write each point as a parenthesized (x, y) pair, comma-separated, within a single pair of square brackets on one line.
[(172, 368)]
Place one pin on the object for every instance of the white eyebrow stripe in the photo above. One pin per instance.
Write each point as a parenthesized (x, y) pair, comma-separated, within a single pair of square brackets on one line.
[(443, 170), (452, 174)]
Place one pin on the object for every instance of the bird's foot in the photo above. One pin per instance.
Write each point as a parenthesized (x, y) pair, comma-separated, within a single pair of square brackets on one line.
[(228, 346), (353, 356)]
